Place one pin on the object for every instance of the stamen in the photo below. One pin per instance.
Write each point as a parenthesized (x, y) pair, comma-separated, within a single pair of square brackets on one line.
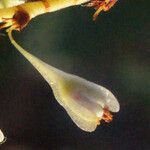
[(100, 5), (18, 22), (107, 116)]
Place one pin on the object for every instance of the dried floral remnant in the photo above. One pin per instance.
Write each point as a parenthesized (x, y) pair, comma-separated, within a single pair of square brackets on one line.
[(101, 5), (18, 22)]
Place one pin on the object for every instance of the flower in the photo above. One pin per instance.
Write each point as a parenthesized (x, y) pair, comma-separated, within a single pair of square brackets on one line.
[(85, 102)]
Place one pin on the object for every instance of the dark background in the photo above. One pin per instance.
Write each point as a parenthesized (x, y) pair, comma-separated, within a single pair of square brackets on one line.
[(113, 51)]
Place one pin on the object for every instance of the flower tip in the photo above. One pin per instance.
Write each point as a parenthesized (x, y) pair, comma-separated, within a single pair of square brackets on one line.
[(85, 102), (112, 103), (107, 116)]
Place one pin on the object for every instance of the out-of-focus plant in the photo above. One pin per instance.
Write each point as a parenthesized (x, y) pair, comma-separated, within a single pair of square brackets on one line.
[(2, 137)]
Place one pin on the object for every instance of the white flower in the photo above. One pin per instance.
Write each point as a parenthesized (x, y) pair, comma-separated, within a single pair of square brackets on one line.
[(86, 102)]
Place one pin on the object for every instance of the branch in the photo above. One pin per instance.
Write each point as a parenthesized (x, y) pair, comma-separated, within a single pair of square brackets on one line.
[(39, 7), (18, 16)]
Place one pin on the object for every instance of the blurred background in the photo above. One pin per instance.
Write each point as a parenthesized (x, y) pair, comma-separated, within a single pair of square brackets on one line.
[(113, 51)]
